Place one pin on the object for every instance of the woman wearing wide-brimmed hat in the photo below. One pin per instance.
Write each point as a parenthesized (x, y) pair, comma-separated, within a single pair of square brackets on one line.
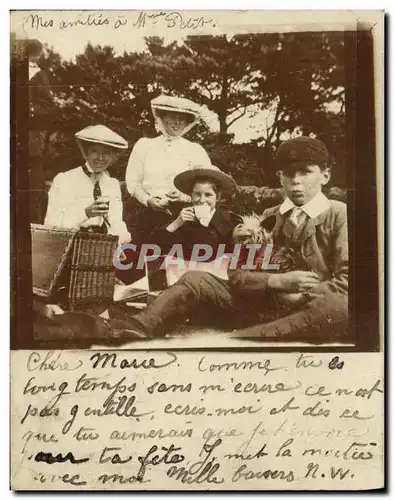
[(87, 197), (203, 220), (154, 163)]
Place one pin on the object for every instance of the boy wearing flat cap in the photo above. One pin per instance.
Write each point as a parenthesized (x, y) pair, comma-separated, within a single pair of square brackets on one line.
[(316, 229), (314, 296), (87, 197), (308, 222)]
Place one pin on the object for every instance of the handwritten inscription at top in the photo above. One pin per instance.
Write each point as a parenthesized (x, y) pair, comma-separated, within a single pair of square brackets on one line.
[(98, 19)]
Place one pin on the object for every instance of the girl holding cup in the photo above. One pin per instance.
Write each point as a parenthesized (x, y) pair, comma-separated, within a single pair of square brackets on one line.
[(203, 221)]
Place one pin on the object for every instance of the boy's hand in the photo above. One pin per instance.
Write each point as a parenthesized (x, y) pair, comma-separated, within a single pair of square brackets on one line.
[(291, 299), (96, 209), (293, 281)]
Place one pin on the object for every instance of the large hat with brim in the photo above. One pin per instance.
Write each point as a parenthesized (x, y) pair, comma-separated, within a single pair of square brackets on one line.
[(185, 181), (101, 134), (176, 104)]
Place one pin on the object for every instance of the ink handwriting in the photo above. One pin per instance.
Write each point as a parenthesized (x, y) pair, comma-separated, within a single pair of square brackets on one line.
[(172, 20), (113, 419)]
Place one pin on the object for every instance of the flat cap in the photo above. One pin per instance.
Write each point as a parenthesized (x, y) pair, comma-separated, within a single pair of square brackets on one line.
[(301, 151), (102, 135)]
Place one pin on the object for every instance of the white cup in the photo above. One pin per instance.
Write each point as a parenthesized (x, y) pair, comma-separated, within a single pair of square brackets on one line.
[(103, 199), (202, 211)]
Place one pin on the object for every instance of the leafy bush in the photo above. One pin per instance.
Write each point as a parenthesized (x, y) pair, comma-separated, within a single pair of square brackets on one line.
[(248, 199)]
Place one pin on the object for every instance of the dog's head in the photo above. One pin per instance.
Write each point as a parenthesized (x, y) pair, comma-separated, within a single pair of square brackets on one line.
[(253, 230)]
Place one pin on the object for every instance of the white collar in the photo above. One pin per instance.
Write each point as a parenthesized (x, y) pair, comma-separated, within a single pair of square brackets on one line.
[(161, 128), (206, 220), (90, 170), (166, 138), (313, 208), (33, 69)]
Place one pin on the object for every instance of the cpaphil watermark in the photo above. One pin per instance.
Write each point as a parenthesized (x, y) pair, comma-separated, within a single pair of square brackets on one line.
[(258, 256)]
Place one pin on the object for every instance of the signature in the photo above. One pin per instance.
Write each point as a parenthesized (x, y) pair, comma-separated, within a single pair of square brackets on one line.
[(172, 20)]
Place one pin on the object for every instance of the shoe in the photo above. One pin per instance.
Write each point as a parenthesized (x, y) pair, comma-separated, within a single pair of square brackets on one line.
[(127, 330), (71, 330)]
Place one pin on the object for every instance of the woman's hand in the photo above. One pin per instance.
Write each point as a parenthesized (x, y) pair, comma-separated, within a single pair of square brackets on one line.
[(96, 209), (157, 203), (174, 196)]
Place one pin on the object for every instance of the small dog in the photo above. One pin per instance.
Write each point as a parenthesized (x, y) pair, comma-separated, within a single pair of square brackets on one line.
[(253, 230)]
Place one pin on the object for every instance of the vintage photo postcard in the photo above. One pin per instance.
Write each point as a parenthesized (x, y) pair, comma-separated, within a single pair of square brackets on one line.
[(197, 216)]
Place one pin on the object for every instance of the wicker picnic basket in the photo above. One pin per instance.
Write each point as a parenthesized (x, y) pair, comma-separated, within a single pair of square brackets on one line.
[(71, 267)]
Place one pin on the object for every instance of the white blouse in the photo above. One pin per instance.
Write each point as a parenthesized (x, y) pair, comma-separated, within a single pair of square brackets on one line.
[(71, 192), (154, 163)]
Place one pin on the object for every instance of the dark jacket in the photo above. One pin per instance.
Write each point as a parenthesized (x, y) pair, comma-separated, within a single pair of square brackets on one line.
[(219, 231)]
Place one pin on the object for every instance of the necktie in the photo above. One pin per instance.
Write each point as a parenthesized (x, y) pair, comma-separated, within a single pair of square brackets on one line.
[(96, 189), (297, 217)]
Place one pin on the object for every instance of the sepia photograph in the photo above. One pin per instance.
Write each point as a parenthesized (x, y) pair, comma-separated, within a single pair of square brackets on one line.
[(197, 250), (192, 190)]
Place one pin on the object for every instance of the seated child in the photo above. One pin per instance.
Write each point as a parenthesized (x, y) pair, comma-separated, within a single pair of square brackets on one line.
[(203, 221)]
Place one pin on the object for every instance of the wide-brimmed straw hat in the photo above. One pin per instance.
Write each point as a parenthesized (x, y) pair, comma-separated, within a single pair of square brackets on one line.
[(185, 181), (176, 104), (101, 134)]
